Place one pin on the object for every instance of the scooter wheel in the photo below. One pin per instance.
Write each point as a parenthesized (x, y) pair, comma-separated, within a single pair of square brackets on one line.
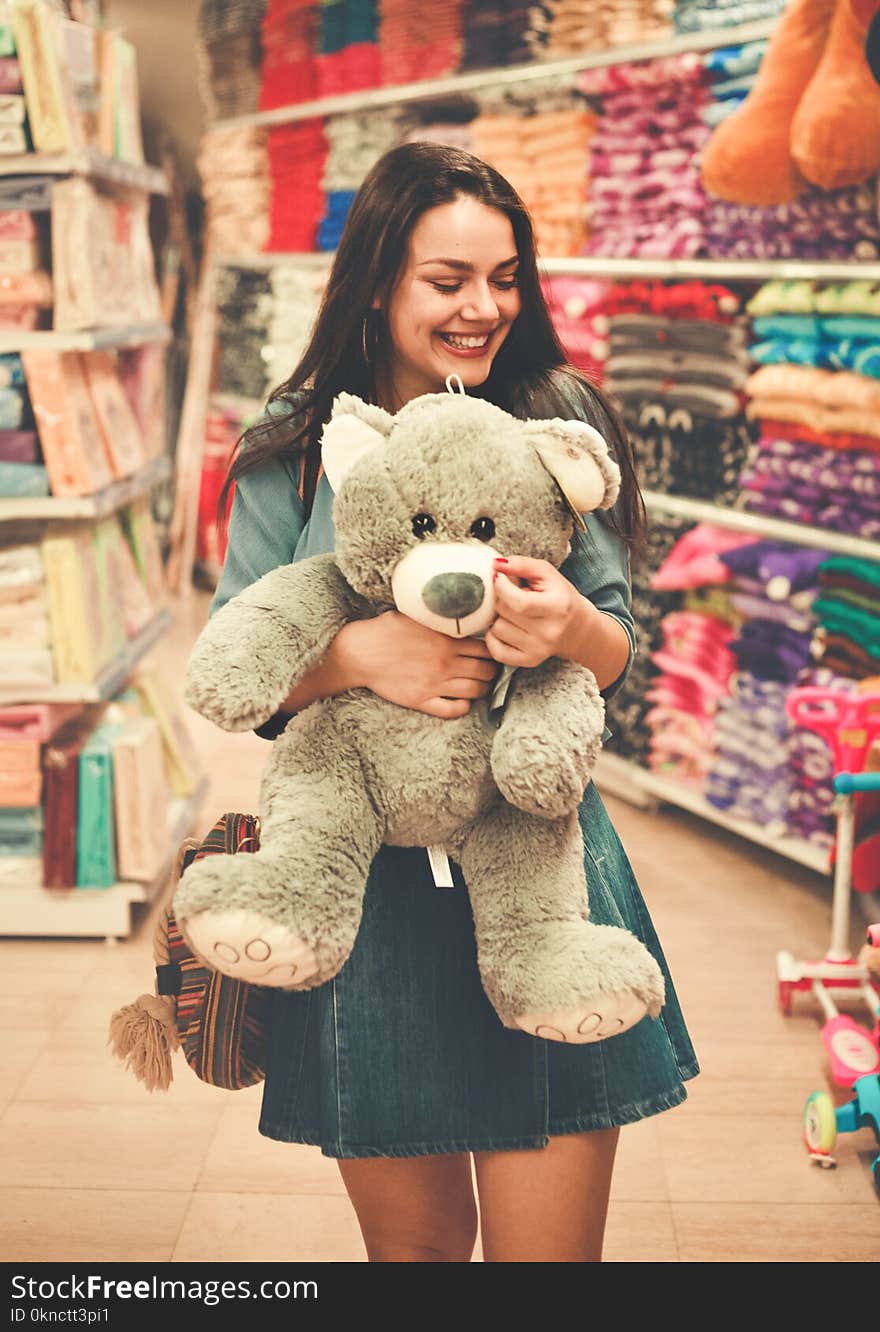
[(820, 1124)]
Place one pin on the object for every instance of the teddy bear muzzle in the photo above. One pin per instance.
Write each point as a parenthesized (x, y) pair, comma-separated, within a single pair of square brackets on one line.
[(447, 586)]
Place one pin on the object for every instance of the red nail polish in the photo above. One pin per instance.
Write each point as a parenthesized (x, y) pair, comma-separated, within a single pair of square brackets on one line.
[(499, 559)]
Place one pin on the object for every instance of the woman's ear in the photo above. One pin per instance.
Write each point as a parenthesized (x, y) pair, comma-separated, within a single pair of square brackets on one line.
[(577, 458), (355, 427)]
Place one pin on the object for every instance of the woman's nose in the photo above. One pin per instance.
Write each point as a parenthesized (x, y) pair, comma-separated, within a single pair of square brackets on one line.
[(480, 304)]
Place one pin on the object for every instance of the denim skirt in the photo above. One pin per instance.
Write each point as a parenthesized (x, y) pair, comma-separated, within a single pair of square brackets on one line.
[(401, 1054)]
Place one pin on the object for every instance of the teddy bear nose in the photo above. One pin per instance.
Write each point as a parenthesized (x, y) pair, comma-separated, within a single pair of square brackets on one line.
[(454, 595)]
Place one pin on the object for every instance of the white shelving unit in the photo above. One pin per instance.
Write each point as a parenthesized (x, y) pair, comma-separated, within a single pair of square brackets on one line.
[(110, 679), (776, 529), (85, 340), (646, 789), (49, 508), (429, 89), (714, 270), (83, 913), (86, 162)]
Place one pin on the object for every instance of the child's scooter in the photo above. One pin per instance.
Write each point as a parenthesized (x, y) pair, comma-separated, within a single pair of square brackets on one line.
[(850, 724), (823, 1120)]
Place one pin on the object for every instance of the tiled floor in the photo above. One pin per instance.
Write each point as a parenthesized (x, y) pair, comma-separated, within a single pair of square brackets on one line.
[(95, 1168)]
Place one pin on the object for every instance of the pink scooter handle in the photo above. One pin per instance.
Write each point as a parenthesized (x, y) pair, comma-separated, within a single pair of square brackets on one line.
[(849, 722)]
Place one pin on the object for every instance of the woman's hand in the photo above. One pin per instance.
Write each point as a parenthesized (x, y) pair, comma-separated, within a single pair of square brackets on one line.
[(416, 667), (534, 622)]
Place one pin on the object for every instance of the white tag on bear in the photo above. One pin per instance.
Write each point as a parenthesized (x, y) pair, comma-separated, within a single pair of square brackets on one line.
[(440, 867)]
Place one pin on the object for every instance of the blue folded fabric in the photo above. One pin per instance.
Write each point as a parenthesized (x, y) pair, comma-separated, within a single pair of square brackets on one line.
[(11, 372), (730, 62), (11, 409), (23, 480)]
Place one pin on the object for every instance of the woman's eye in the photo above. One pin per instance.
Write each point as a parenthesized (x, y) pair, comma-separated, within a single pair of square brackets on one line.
[(483, 529), (444, 286), (506, 285), (422, 524)]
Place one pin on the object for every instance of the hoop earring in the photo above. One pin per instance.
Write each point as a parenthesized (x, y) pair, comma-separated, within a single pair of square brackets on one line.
[(364, 340)]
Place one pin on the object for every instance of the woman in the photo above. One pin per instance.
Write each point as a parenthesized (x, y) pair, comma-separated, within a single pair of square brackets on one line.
[(399, 1066)]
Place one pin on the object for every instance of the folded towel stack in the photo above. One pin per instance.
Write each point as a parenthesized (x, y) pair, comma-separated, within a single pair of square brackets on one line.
[(22, 472), (626, 710), (848, 608), (230, 55), (695, 664), (577, 308), (234, 167), (354, 144), (243, 314), (818, 458), (571, 26), (348, 55), (25, 633), (819, 224), (676, 366), (419, 43), (731, 71), (705, 15), (541, 144), (297, 154), (645, 193), (295, 294), (289, 34), (502, 32)]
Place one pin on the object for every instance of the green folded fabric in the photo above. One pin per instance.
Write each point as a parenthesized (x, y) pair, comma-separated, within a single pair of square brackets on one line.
[(839, 618), (95, 831), (867, 570)]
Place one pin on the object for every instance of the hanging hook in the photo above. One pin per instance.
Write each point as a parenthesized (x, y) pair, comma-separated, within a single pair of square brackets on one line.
[(458, 386)]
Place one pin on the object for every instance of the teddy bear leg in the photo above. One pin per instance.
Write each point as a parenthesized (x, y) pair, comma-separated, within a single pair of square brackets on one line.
[(546, 968), (287, 915)]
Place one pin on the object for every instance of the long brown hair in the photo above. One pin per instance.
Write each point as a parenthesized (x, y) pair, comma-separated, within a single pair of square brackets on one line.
[(529, 377)]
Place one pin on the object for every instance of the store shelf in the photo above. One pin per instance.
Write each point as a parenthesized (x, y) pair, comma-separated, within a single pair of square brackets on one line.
[(87, 507), (777, 529), (109, 681), (86, 162), (630, 782), (716, 270), (94, 912), (429, 89), (94, 339)]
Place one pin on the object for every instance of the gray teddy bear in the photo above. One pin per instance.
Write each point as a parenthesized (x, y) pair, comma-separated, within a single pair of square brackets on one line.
[(424, 502)]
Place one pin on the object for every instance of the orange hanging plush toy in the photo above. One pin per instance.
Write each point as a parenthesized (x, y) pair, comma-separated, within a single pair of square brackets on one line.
[(813, 115)]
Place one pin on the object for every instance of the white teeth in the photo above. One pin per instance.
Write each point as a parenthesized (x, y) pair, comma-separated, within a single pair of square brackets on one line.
[(465, 343)]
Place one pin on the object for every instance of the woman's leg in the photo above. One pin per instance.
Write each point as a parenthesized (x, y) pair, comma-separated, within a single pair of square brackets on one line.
[(415, 1209), (547, 1205)]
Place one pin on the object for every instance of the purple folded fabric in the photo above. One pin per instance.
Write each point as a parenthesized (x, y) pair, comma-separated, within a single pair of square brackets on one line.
[(19, 446)]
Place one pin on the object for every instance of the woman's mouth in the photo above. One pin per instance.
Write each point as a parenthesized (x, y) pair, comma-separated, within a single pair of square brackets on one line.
[(466, 344)]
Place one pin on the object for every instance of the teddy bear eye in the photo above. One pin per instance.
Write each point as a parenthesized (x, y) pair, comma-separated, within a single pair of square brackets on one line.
[(423, 523), (483, 529)]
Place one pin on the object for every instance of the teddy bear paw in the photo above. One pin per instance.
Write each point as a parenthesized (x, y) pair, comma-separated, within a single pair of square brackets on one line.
[(248, 946), (608, 1015)]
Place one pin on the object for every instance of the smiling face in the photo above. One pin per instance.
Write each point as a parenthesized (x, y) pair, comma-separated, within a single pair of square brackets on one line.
[(453, 303)]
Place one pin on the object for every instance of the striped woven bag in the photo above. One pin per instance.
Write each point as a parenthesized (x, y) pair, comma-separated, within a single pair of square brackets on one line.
[(219, 1023)]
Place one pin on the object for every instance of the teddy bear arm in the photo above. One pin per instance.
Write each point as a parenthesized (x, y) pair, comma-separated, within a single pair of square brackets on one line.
[(257, 647), (550, 736)]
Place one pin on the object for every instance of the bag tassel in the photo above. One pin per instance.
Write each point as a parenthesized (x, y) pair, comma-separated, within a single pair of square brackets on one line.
[(144, 1036)]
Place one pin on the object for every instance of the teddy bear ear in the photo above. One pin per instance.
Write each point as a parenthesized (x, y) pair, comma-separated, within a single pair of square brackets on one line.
[(355, 427), (577, 458)]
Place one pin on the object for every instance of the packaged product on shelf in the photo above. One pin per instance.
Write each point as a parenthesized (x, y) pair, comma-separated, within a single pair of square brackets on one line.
[(61, 796), (25, 627), (57, 59), (79, 635), (120, 431), (141, 796), (118, 131), (10, 74), (139, 529), (142, 376), (180, 755), (102, 260), (95, 823), (73, 447)]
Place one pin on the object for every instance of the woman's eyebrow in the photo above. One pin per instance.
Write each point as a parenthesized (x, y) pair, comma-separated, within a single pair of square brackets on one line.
[(466, 267)]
